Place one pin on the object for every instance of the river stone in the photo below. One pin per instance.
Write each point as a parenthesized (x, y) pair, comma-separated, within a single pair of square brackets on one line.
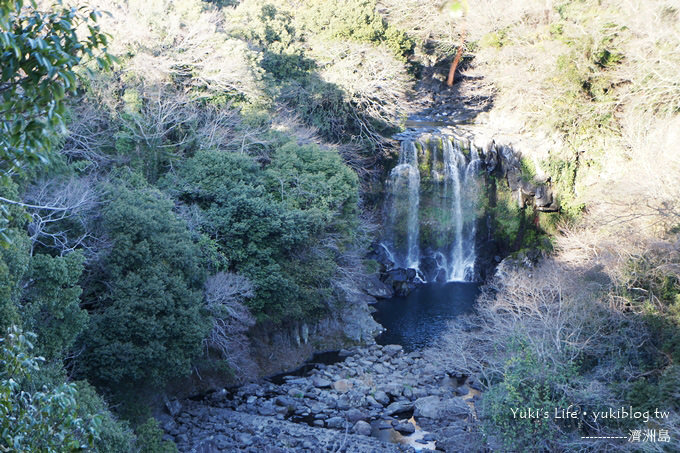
[(354, 415), (343, 403), (173, 407), (429, 406), (405, 428), (320, 382), (435, 408), (335, 422), (398, 407), (267, 409), (362, 428), (245, 439), (462, 390), (408, 393), (342, 386), (381, 397), (298, 381), (379, 369), (316, 407), (474, 383), (393, 389), (207, 446), (392, 349), (372, 402), (384, 424)]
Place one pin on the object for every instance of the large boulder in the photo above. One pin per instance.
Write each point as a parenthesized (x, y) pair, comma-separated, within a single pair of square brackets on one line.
[(431, 270), (320, 382), (403, 281), (398, 407), (362, 428), (373, 286), (405, 428), (382, 398), (379, 253), (544, 200), (435, 408)]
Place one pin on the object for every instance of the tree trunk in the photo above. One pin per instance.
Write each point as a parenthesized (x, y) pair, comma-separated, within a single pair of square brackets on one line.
[(456, 60)]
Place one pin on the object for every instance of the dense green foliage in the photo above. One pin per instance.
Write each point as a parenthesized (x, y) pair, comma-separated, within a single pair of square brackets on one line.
[(147, 320), (14, 261), (175, 172), (150, 438), (528, 382), (356, 20), (265, 221), (51, 303), (114, 436), (32, 420)]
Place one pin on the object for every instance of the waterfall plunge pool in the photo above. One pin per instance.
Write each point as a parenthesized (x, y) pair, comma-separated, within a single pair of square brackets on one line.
[(416, 320)]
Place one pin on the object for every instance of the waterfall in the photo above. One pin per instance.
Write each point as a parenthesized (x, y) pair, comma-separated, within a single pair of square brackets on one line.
[(432, 208), (405, 201)]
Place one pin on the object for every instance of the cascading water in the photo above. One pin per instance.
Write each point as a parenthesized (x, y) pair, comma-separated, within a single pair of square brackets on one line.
[(405, 201), (432, 209)]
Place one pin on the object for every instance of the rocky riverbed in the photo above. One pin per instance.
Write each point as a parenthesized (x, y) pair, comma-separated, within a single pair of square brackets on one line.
[(376, 399)]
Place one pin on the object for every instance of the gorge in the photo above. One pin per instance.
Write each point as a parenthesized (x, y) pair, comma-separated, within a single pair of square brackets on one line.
[(342, 225)]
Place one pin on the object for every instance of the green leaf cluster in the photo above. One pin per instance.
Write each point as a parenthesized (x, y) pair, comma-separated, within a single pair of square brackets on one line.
[(40, 54), (267, 220), (527, 382), (43, 420), (356, 20), (51, 302), (147, 321)]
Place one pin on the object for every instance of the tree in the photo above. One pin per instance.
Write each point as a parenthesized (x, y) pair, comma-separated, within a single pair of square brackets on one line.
[(44, 420), (272, 225), (14, 260), (146, 304), (41, 52), (51, 302), (456, 8), (225, 294)]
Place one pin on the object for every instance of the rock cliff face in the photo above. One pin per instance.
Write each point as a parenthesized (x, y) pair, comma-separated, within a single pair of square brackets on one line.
[(508, 163), (275, 349)]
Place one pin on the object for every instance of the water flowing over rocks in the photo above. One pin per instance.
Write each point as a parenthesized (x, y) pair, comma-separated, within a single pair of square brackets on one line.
[(431, 210), (376, 390), (435, 227)]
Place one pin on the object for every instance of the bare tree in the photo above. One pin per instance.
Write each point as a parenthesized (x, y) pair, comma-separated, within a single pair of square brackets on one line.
[(89, 134), (62, 215), (224, 297)]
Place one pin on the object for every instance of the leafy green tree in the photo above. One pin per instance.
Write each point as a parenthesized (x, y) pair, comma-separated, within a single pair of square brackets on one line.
[(147, 319), (356, 20), (41, 53), (14, 261), (51, 306), (150, 438), (115, 436), (268, 222), (44, 420)]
